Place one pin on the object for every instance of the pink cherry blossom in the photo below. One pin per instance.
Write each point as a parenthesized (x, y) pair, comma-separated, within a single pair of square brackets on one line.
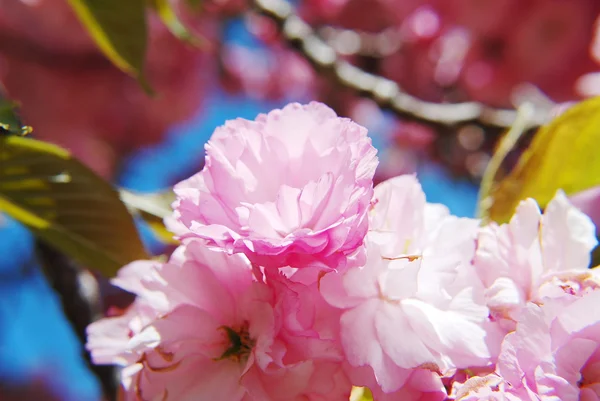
[(414, 304), (533, 256), (50, 23), (273, 74), (554, 354), (204, 328), (108, 339), (290, 188)]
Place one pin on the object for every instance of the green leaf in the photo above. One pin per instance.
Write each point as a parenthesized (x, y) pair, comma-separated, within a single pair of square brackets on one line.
[(119, 29), (153, 208), (66, 204), (562, 154), (165, 11)]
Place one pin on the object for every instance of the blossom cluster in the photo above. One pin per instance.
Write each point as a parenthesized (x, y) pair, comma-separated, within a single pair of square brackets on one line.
[(296, 279)]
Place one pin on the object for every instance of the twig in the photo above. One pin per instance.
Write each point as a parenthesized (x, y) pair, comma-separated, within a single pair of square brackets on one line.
[(385, 92)]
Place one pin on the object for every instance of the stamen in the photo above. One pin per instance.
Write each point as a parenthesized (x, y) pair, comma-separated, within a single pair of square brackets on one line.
[(240, 343)]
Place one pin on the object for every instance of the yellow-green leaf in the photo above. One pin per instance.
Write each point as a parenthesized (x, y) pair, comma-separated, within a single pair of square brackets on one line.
[(562, 154), (152, 208), (66, 204), (119, 29), (165, 11)]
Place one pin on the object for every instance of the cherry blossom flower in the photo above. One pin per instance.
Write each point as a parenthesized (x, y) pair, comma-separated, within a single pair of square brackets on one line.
[(414, 304), (554, 354), (534, 255), (204, 328), (290, 188)]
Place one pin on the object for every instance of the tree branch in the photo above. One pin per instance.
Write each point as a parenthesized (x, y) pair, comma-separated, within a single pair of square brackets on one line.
[(348, 42), (385, 92)]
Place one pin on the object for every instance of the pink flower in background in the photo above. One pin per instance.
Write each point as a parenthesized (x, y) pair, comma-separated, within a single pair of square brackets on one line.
[(547, 34), (203, 328), (290, 188), (276, 73), (534, 256), (50, 23), (97, 112), (415, 303), (554, 354)]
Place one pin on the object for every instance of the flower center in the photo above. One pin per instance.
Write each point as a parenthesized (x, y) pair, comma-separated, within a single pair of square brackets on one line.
[(239, 344)]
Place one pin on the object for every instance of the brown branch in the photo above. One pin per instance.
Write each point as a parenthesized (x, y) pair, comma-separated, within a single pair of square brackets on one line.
[(348, 42), (385, 92)]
